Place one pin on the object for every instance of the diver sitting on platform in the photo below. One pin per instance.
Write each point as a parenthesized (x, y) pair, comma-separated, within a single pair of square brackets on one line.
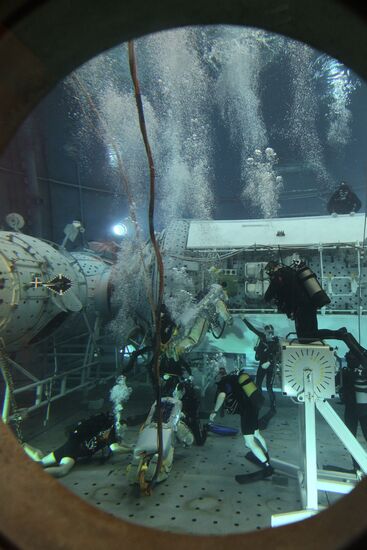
[(343, 201), (85, 439), (298, 294), (267, 353), (240, 395)]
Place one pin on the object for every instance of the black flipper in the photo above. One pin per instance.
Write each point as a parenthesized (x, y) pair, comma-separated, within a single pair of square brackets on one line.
[(255, 476), (252, 458)]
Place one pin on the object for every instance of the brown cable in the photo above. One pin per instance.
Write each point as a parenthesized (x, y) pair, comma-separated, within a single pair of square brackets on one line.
[(157, 340)]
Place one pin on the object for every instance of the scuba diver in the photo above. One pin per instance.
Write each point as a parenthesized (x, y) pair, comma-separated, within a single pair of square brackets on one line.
[(298, 294), (343, 201), (178, 384), (352, 382), (220, 374), (85, 439), (168, 328), (267, 353), (173, 370), (240, 395), (354, 394), (187, 394)]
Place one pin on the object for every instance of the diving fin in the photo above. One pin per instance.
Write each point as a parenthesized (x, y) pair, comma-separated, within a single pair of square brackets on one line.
[(255, 476), (252, 458)]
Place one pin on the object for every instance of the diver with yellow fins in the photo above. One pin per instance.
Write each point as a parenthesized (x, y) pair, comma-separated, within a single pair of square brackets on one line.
[(239, 395)]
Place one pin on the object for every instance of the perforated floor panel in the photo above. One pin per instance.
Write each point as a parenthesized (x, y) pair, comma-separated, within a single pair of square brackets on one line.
[(201, 495)]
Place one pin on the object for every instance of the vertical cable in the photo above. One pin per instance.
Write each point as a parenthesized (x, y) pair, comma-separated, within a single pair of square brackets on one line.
[(157, 339)]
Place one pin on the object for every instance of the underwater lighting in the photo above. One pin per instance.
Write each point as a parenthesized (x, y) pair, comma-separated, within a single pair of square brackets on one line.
[(127, 350), (119, 229)]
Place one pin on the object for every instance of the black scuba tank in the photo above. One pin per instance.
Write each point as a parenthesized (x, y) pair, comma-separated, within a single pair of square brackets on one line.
[(309, 281)]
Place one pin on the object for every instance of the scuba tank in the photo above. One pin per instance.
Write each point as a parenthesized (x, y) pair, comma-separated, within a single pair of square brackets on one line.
[(309, 281)]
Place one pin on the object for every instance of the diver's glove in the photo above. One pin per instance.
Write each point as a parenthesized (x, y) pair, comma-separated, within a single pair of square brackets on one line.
[(212, 416), (266, 365)]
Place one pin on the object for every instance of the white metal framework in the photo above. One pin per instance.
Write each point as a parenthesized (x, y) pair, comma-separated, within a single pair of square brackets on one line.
[(74, 364), (308, 372)]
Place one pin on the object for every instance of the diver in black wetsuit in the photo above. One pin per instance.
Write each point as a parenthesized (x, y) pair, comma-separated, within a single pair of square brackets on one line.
[(287, 289), (173, 371), (167, 329), (267, 353), (85, 439), (343, 201), (177, 383), (240, 395), (354, 393), (186, 392)]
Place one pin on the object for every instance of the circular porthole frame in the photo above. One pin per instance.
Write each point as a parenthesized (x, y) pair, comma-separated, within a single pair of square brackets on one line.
[(41, 42)]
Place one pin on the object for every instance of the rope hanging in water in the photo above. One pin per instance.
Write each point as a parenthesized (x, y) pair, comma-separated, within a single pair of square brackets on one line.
[(157, 312)]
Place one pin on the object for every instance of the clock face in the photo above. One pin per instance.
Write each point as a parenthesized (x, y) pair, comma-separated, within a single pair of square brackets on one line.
[(320, 359)]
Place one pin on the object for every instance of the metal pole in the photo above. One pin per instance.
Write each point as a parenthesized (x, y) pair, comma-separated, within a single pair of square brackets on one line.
[(343, 433), (81, 209), (322, 273), (310, 434), (39, 392), (6, 405), (359, 293), (321, 266), (47, 417)]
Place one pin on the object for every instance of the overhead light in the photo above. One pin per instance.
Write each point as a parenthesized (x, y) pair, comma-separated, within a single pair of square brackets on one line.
[(119, 229)]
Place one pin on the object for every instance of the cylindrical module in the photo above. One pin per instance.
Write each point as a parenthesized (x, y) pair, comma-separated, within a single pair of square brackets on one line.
[(42, 285)]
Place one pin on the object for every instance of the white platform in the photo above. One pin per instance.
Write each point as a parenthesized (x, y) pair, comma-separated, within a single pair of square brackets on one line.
[(311, 230)]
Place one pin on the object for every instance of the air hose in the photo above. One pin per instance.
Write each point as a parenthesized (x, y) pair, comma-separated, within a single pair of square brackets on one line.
[(157, 311), (220, 333)]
